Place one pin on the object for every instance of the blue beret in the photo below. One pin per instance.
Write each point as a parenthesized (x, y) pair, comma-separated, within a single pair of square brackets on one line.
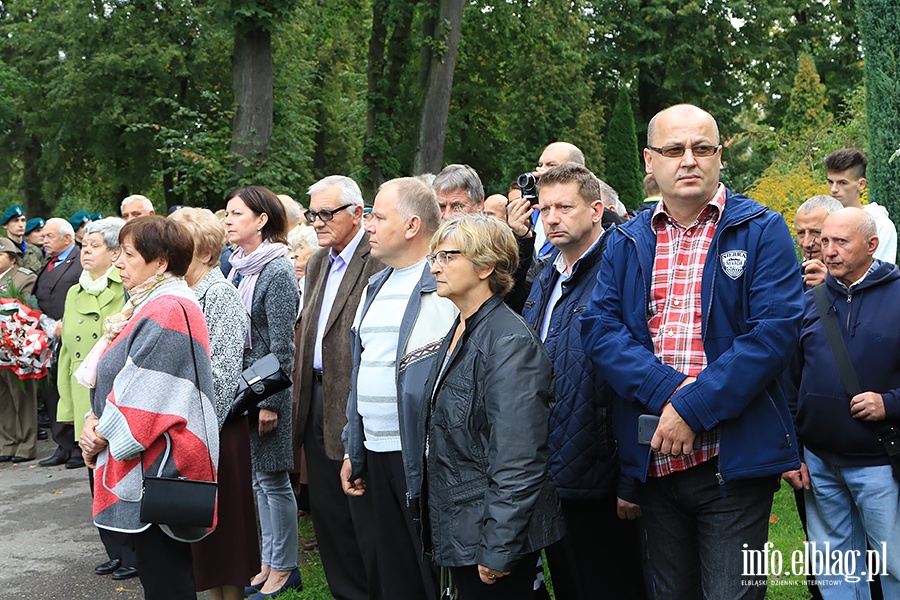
[(79, 219), (13, 212), (35, 223), (95, 216)]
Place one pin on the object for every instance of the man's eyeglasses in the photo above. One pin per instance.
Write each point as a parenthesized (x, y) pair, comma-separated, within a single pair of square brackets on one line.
[(700, 150), (324, 214), (441, 257)]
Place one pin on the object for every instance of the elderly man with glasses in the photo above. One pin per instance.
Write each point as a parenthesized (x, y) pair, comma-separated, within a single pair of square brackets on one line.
[(335, 278), (696, 313)]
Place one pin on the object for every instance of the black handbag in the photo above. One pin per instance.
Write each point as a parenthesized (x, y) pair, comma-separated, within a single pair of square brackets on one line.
[(260, 380), (176, 500)]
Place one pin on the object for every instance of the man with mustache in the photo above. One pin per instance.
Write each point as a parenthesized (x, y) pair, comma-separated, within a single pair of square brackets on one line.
[(808, 225)]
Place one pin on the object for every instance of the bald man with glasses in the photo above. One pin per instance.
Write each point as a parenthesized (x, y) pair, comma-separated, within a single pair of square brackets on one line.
[(696, 313)]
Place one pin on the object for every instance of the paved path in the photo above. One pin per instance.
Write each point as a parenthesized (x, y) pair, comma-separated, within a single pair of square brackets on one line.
[(48, 545)]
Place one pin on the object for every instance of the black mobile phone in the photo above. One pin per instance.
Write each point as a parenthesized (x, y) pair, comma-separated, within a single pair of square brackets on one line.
[(647, 425)]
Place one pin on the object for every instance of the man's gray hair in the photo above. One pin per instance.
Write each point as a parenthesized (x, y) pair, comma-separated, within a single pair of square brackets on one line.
[(148, 206), (350, 193), (460, 177), (109, 228), (64, 227), (816, 202)]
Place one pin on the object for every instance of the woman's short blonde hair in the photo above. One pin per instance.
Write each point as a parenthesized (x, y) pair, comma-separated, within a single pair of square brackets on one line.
[(487, 243), (206, 230)]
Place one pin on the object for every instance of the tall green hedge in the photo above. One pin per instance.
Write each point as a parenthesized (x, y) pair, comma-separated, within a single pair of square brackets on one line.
[(879, 25), (623, 162)]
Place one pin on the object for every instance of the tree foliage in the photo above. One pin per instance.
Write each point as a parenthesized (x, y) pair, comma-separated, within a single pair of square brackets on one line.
[(102, 99), (806, 114), (879, 22), (623, 167)]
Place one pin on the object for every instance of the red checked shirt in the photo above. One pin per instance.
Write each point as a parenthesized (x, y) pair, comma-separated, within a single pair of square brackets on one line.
[(676, 312)]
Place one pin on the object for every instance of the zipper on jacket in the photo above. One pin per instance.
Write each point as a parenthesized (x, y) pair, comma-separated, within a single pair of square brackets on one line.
[(723, 491), (849, 310)]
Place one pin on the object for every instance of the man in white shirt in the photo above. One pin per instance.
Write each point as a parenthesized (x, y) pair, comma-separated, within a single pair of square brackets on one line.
[(846, 170), (399, 327)]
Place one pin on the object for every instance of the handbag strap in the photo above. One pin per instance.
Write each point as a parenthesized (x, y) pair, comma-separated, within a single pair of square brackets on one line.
[(187, 321)]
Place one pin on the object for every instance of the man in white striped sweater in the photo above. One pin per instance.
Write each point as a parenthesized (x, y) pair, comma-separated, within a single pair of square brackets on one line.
[(399, 326)]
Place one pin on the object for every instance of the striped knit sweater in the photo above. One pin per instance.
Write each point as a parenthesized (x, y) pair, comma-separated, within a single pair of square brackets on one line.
[(149, 407)]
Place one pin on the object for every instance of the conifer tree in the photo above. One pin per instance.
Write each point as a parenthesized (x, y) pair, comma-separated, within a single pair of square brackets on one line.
[(623, 163), (806, 114), (879, 25)]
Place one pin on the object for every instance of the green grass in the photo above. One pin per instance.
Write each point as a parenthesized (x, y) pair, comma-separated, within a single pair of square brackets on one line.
[(315, 587), (785, 532)]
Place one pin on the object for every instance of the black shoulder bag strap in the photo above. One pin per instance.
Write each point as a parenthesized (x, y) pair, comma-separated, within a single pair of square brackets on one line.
[(836, 342), (887, 434)]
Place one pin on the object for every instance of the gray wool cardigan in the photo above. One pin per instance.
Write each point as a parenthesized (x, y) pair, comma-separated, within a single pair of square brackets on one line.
[(275, 304)]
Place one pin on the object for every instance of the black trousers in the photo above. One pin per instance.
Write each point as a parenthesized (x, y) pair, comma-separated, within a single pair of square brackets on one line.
[(344, 525), (400, 554), (118, 545), (164, 566), (62, 433), (600, 556), (517, 585)]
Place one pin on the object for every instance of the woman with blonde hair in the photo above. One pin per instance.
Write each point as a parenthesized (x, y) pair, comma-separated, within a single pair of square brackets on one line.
[(224, 561), (491, 505)]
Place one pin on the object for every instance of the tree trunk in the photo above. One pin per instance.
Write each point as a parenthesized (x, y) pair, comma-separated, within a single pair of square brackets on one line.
[(251, 77), (32, 198), (432, 130), (386, 58)]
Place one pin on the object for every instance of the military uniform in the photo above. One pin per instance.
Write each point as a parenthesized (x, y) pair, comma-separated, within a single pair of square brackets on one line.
[(18, 398), (33, 259)]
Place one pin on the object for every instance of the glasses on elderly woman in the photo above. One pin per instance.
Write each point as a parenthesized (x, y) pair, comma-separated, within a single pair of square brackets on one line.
[(441, 257), (324, 214)]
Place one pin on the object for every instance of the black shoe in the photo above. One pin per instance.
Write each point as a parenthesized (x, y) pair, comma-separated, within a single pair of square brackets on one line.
[(43, 420), (20, 459), (124, 573), (53, 461), (5, 458), (76, 462), (108, 567), (42, 435)]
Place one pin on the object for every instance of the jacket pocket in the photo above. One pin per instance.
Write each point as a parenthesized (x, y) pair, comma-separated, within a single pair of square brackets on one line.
[(454, 402)]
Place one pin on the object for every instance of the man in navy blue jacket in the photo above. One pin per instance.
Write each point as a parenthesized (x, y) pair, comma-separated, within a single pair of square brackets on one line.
[(600, 555), (693, 320), (851, 494)]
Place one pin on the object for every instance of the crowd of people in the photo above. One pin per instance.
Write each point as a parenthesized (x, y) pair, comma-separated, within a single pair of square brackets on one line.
[(480, 382)]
